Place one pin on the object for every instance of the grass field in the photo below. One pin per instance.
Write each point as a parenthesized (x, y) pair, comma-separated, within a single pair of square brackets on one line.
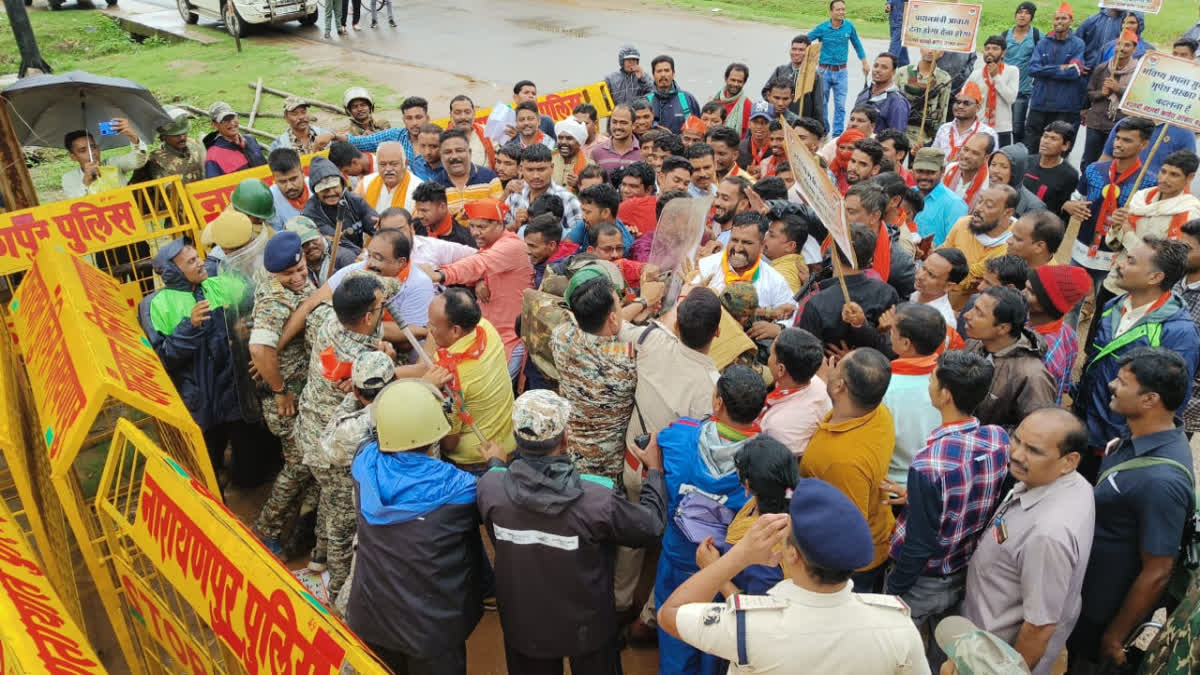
[(176, 73), (871, 21)]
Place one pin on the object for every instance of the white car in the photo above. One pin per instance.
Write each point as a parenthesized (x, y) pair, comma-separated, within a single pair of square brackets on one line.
[(239, 15)]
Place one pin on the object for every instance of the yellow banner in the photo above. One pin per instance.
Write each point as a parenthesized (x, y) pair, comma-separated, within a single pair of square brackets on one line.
[(210, 196), (943, 26), (1165, 88), (82, 343), (206, 555), (37, 634), (559, 105), (818, 190)]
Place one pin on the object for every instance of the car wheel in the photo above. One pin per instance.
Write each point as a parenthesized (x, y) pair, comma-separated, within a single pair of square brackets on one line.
[(232, 20), (310, 20), (55, 4), (111, 3), (28, 3), (185, 11)]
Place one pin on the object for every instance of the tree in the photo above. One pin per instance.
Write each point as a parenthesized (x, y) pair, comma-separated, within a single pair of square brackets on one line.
[(31, 56)]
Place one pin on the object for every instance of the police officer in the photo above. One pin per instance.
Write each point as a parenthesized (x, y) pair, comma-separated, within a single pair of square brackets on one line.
[(361, 108), (284, 374), (833, 630), (178, 154), (253, 198)]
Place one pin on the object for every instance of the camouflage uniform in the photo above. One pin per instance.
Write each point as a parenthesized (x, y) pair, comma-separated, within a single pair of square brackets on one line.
[(349, 427), (1176, 648), (273, 304), (356, 129), (598, 376), (167, 161)]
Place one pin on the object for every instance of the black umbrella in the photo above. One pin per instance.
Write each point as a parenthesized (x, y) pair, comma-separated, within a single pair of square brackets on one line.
[(45, 108)]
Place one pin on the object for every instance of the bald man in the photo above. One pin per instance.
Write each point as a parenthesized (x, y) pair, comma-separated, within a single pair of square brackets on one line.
[(392, 185)]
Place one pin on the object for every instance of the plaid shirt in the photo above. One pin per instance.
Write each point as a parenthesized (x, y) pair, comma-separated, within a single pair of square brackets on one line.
[(954, 486), (1062, 348), (572, 211), (1191, 409), (370, 142)]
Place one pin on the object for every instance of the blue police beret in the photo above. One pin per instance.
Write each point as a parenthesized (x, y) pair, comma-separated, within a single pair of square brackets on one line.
[(829, 528), (283, 251)]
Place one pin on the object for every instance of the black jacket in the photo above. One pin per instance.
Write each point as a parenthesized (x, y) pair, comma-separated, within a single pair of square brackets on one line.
[(822, 313), (357, 215), (811, 104), (556, 533)]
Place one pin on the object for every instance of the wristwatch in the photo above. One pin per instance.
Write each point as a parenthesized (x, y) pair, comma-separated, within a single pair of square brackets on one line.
[(279, 392), (645, 305)]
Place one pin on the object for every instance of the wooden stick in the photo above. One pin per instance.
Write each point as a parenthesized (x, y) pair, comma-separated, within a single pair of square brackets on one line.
[(245, 128), (337, 238), (412, 340), (840, 274), (1063, 255), (1153, 149), (257, 100), (312, 103), (925, 108)]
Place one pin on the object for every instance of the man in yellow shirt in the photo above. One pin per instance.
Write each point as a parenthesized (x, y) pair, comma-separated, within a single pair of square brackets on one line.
[(981, 236), (784, 241), (851, 449), (470, 363)]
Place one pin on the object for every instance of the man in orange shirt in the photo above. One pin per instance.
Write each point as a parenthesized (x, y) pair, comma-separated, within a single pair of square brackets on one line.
[(503, 263), (852, 447)]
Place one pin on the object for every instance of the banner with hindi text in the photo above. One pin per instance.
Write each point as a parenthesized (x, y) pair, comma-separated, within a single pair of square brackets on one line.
[(818, 191), (1143, 6), (559, 105), (210, 196), (942, 26), (1165, 88)]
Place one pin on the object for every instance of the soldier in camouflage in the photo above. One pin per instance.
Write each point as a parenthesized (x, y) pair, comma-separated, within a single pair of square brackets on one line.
[(355, 328), (284, 373), (178, 154), (347, 429), (1176, 648)]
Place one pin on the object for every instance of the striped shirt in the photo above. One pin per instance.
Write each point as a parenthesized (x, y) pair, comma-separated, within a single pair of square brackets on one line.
[(483, 183)]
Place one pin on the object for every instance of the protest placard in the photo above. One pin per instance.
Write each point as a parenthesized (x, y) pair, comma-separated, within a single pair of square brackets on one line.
[(944, 26), (1143, 6), (818, 190), (1166, 89)]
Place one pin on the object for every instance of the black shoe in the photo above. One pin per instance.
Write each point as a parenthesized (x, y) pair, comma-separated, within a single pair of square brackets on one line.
[(303, 537), (392, 23)]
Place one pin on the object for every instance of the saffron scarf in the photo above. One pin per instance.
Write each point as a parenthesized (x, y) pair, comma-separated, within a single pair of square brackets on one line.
[(989, 111), (298, 204), (1177, 221), (376, 189), (757, 155), (881, 262), (736, 109), (1051, 328), (451, 362), (732, 277), (955, 148), (443, 228), (916, 365), (1111, 193), (838, 165), (953, 174)]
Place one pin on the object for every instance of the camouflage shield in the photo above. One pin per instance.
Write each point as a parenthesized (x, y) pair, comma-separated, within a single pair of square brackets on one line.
[(246, 267), (678, 235)]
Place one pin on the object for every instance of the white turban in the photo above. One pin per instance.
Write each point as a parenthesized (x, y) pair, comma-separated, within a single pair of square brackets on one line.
[(573, 127)]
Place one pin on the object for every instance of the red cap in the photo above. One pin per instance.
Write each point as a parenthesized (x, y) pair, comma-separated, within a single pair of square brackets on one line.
[(486, 209), (1130, 35), (971, 91), (1063, 285), (694, 123), (1065, 8)]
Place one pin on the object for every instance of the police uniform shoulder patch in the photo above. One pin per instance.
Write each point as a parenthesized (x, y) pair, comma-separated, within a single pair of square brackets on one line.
[(745, 602), (892, 602)]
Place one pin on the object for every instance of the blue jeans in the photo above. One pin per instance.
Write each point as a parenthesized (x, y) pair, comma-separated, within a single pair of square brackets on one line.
[(895, 25), (1020, 109), (835, 81)]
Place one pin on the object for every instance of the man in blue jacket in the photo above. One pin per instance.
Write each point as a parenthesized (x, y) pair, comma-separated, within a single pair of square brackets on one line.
[(1100, 29), (1148, 315), (1058, 80), (671, 105)]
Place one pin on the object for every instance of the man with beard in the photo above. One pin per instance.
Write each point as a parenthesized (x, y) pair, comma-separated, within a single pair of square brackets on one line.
[(968, 177), (587, 115), (724, 142), (178, 155), (301, 134), (464, 181), (331, 202), (953, 136), (1051, 292), (927, 89), (434, 213), (361, 108), (670, 104), (943, 208), (393, 184), (1058, 83), (628, 83), (569, 160), (428, 160), (734, 99), (742, 261), (416, 115), (981, 236), (730, 201), (536, 170), (314, 247), (811, 104), (462, 117), (999, 83), (864, 161), (622, 147), (1106, 86), (883, 93), (780, 94), (701, 157), (866, 203), (290, 189)]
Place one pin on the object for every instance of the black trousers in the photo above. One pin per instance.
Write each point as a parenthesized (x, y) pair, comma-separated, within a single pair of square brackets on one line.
[(256, 452), (1037, 121), (603, 661), (357, 11), (451, 662)]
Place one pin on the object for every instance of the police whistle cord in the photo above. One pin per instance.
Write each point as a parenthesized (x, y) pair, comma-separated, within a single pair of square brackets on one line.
[(455, 395)]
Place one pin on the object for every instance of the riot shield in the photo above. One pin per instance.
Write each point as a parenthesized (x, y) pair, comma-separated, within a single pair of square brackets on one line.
[(245, 268), (679, 231)]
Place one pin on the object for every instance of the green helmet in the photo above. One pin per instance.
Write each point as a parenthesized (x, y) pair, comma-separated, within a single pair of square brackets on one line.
[(409, 414), (253, 198)]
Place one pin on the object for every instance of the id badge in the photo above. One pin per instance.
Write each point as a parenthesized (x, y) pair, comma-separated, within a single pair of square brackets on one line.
[(1000, 531)]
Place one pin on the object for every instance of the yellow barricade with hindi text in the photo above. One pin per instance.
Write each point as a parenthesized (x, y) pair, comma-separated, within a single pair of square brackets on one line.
[(37, 634), (210, 196), (89, 365), (559, 105), (186, 560)]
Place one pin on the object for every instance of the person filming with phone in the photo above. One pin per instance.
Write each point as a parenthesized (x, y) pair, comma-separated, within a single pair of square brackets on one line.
[(93, 174)]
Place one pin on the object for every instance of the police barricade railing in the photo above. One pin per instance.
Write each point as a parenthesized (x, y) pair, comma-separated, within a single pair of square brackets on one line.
[(88, 365), (559, 105), (185, 560), (209, 197), (119, 230), (37, 633)]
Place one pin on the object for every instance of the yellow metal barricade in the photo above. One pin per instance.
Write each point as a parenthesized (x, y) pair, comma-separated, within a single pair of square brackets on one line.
[(210, 196), (89, 366), (559, 105), (37, 633), (211, 598)]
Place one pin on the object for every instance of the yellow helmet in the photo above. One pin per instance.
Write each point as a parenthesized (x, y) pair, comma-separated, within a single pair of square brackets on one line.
[(408, 414)]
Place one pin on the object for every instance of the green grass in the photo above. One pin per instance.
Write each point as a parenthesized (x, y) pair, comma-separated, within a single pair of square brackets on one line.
[(871, 21), (185, 72)]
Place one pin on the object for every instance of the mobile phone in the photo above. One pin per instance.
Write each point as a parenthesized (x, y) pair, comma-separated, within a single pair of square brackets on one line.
[(108, 128)]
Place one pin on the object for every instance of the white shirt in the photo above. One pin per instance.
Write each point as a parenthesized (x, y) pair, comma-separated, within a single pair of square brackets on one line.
[(438, 252), (121, 165), (1007, 84), (385, 193), (773, 289), (413, 299), (949, 132), (842, 632), (942, 305)]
